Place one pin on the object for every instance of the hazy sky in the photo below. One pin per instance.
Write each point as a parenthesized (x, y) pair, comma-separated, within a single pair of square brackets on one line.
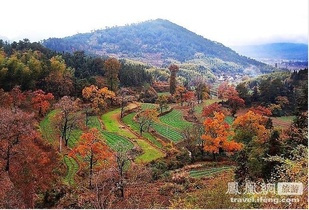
[(231, 22)]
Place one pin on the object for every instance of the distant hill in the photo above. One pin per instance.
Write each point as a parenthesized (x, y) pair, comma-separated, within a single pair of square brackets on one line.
[(158, 42), (286, 51)]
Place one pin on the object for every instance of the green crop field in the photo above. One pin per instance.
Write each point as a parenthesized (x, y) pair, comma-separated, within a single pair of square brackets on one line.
[(208, 171), (167, 131), (175, 119), (128, 120), (113, 140), (47, 129), (72, 168), (112, 125), (148, 106), (150, 153)]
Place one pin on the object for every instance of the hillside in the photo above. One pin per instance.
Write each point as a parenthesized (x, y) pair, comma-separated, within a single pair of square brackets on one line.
[(286, 51), (157, 42)]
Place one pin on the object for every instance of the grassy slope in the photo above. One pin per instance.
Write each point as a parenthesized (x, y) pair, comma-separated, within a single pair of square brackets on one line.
[(128, 120), (175, 119), (113, 126), (113, 140), (49, 133)]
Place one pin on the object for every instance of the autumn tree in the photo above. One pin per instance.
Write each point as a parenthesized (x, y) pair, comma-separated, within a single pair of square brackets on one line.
[(192, 140), (41, 101), (235, 103), (27, 163), (250, 129), (225, 90), (17, 98), (99, 98), (162, 102), (202, 90), (173, 69), (209, 111), (112, 67), (261, 110), (15, 126), (145, 119), (243, 93), (68, 118), (92, 149), (179, 94), (60, 79), (217, 135)]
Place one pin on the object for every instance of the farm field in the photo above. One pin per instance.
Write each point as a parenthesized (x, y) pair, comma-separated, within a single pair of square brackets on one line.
[(149, 152), (209, 171), (113, 134), (113, 140), (175, 120), (128, 120), (72, 168)]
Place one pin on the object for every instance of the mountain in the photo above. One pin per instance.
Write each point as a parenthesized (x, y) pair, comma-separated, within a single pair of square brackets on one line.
[(275, 51), (158, 42)]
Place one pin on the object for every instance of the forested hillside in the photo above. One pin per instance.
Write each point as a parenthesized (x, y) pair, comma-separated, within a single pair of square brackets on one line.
[(157, 42)]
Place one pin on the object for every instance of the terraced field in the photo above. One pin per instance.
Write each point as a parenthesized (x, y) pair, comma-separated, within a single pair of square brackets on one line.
[(209, 171), (148, 106), (115, 133), (167, 131), (72, 168), (128, 120), (150, 153), (49, 133), (113, 140), (46, 127), (175, 120), (112, 125)]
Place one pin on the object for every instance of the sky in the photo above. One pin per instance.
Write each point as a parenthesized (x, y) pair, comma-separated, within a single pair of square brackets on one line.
[(231, 22)]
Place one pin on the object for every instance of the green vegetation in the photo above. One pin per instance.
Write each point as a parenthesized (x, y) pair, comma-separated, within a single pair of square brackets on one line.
[(128, 120), (175, 120), (199, 107), (111, 123), (113, 140), (167, 131), (148, 106), (150, 153), (72, 168), (208, 171), (287, 119), (177, 43), (46, 127), (229, 119)]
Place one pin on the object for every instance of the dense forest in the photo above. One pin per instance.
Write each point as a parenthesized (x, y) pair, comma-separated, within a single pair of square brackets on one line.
[(85, 131)]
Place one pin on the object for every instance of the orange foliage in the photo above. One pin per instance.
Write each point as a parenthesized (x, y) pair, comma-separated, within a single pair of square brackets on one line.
[(98, 97), (41, 101), (208, 111), (254, 123), (261, 110), (217, 134), (225, 91)]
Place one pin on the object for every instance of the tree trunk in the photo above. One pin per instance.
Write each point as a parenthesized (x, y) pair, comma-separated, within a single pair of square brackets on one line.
[(8, 156), (91, 170)]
